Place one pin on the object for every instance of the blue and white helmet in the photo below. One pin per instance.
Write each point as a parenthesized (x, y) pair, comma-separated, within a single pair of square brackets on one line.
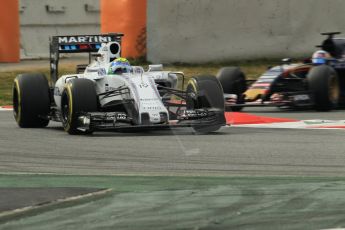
[(119, 66), (320, 57)]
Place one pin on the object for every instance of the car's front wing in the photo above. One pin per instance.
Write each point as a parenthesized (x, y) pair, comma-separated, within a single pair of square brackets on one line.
[(117, 121)]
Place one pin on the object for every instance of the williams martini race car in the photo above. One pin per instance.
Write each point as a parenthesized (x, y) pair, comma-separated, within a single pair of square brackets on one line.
[(110, 94), (318, 83)]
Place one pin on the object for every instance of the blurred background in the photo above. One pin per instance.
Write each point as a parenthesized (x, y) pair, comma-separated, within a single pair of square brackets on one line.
[(187, 31)]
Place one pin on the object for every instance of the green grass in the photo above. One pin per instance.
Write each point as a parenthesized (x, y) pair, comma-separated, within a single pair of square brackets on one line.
[(6, 80), (252, 70)]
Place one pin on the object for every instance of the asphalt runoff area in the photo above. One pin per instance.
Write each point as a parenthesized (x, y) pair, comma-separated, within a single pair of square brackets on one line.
[(191, 203)]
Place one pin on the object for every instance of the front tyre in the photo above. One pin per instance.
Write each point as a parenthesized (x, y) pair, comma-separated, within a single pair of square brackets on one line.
[(205, 92), (79, 97), (31, 100), (324, 86)]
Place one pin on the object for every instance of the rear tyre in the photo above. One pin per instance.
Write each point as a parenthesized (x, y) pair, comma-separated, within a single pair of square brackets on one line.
[(78, 97), (206, 92), (233, 81), (324, 86), (31, 100)]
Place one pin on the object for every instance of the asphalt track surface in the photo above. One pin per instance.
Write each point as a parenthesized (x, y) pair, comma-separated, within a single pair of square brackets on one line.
[(231, 151)]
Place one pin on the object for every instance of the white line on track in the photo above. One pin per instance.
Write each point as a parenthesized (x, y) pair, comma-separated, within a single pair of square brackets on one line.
[(5, 109), (304, 124)]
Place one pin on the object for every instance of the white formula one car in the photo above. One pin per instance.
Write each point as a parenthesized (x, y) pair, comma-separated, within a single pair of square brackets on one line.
[(109, 94)]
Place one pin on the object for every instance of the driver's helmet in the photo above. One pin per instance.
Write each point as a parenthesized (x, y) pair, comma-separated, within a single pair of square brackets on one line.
[(320, 57), (119, 66)]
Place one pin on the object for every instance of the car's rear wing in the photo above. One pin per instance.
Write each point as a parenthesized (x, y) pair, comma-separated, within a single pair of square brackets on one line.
[(77, 44)]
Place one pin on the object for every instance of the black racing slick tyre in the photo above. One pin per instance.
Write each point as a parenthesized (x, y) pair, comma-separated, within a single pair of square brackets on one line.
[(233, 81), (205, 92), (324, 85), (31, 100), (79, 97)]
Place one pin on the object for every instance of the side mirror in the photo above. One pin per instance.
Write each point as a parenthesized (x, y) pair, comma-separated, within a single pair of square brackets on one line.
[(286, 61), (96, 55), (156, 67)]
